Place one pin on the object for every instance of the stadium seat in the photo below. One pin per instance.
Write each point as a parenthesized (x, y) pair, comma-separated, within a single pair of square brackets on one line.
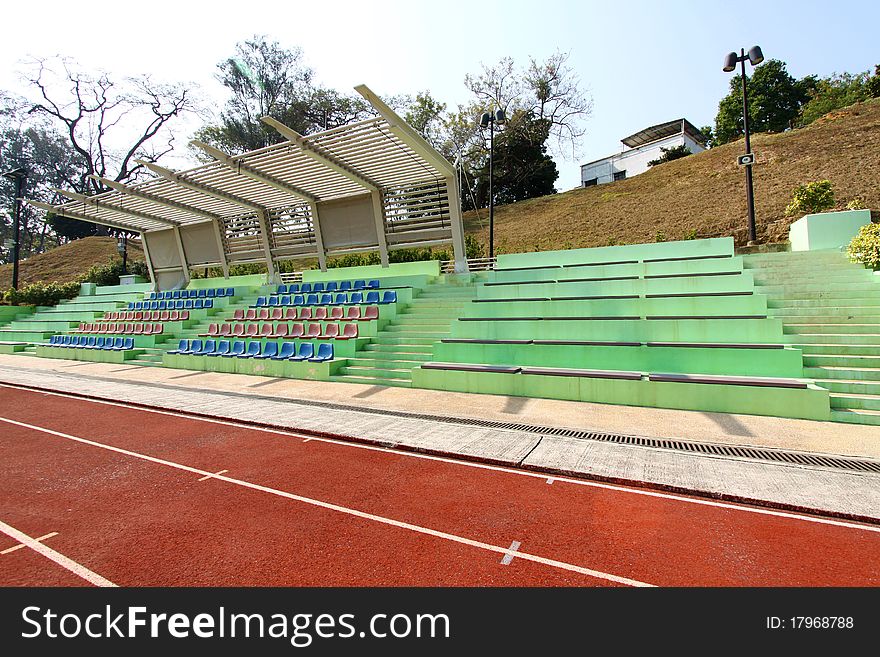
[(237, 349), (331, 330), (344, 286), (313, 331), (65, 339), (213, 329), (270, 350), (370, 312), (273, 301), (237, 330), (211, 293), (325, 353), (287, 350), (221, 350), (284, 300), (340, 299), (281, 289), (326, 300), (354, 313), (208, 347), (297, 300), (336, 312), (197, 304), (317, 287), (230, 292), (203, 294), (128, 343), (349, 332), (261, 301), (184, 315), (175, 294), (297, 330), (251, 314), (154, 305), (263, 315), (355, 298), (312, 300), (330, 287), (292, 288), (252, 350), (290, 313), (267, 329), (281, 330), (225, 329), (372, 297), (305, 313), (90, 342), (99, 343), (158, 328), (208, 303), (173, 315), (320, 314), (251, 330), (373, 284), (390, 296), (306, 351), (360, 285), (305, 288), (180, 304), (277, 314), (188, 304), (148, 328), (238, 314)]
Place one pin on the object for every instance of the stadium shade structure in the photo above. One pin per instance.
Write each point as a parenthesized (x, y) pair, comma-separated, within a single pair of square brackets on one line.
[(371, 185)]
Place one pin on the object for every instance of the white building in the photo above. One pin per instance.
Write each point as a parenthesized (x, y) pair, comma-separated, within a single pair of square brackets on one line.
[(641, 148)]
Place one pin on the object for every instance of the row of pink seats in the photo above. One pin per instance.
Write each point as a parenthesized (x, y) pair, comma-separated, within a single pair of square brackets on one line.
[(138, 328), (334, 313), (147, 316), (282, 330)]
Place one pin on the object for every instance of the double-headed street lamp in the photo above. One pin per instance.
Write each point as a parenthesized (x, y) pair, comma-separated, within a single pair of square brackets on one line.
[(488, 120), (755, 56), (19, 176)]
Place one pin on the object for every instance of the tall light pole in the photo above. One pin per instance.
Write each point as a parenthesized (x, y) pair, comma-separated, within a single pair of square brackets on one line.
[(755, 56), (488, 120), (19, 175), (122, 248)]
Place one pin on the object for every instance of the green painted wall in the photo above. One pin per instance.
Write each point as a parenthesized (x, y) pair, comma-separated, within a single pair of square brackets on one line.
[(827, 230), (423, 268)]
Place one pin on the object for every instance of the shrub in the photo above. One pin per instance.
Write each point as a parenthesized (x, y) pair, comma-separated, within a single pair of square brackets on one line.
[(660, 236), (109, 273), (691, 234), (813, 197), (856, 204), (41, 294), (865, 246)]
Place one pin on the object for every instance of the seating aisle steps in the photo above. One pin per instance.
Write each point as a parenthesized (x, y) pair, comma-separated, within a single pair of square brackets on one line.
[(830, 308), (407, 341)]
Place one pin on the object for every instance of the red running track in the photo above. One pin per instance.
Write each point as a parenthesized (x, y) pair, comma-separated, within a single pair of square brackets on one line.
[(126, 492)]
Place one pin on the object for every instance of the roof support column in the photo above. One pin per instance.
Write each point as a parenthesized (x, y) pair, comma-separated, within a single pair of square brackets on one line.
[(183, 263), (149, 262), (263, 220), (223, 263), (379, 216), (459, 252), (319, 237)]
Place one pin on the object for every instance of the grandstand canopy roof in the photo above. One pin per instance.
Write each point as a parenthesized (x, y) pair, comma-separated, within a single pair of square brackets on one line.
[(662, 130), (372, 155)]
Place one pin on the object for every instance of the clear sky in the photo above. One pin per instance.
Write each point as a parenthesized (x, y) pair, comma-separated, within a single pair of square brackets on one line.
[(642, 62)]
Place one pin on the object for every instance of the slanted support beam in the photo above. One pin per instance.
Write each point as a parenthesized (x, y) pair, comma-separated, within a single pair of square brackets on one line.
[(265, 228), (319, 237), (152, 198), (98, 204), (184, 265), (459, 252), (254, 174), (61, 212), (224, 264), (149, 261)]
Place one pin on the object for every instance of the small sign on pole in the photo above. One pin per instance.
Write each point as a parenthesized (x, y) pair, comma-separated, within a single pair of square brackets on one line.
[(746, 160)]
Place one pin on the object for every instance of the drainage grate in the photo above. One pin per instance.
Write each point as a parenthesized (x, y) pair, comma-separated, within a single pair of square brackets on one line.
[(711, 449)]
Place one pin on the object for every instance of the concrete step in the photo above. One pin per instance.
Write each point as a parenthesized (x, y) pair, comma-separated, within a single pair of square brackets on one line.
[(389, 364), (795, 277), (827, 311), (831, 338), (852, 400), (373, 381), (376, 372), (818, 289), (832, 319), (839, 348), (850, 386), (856, 416), (829, 302), (805, 329), (410, 353), (36, 325), (10, 335), (417, 320), (407, 332), (842, 360), (397, 339), (399, 348), (848, 373)]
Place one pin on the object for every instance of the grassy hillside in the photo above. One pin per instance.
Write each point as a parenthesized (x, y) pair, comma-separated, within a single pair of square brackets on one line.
[(704, 192), (67, 262)]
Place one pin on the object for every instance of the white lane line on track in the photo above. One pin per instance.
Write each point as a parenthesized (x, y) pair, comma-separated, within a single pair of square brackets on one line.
[(213, 475), (39, 539), (511, 551), (65, 562), (470, 464), (340, 509)]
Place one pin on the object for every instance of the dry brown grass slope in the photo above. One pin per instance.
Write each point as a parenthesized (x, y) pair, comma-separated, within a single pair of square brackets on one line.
[(68, 262), (704, 192)]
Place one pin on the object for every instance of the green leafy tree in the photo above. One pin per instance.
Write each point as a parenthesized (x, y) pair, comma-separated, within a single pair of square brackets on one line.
[(425, 114), (670, 154), (874, 83), (775, 101), (835, 92)]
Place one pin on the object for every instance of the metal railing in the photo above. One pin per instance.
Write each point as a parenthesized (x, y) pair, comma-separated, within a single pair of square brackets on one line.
[(474, 264)]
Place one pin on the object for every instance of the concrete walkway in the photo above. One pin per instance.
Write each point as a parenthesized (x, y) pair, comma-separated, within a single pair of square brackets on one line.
[(355, 411)]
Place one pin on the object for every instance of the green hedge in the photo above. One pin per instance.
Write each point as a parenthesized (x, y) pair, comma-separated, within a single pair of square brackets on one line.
[(41, 294)]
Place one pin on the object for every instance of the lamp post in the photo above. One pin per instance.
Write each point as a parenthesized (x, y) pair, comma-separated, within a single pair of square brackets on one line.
[(488, 120), (755, 56), (122, 248), (19, 175)]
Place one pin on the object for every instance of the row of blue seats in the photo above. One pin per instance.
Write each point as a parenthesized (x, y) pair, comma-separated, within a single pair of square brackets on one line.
[(338, 299), (178, 304), (206, 293), (271, 350), (91, 342), (331, 286)]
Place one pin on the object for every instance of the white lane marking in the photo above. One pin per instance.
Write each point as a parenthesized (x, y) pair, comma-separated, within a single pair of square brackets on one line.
[(550, 480), (305, 440), (511, 551), (471, 464), (341, 509), (39, 539), (211, 476), (65, 562)]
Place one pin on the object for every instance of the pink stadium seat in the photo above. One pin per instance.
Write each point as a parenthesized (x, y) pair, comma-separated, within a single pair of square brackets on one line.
[(138, 328), (336, 312), (213, 331), (281, 330), (251, 314), (225, 329), (164, 316), (238, 314), (290, 313), (354, 312), (128, 330), (238, 330), (252, 330), (138, 315), (277, 313), (349, 331), (314, 331), (264, 314), (267, 329), (297, 330), (305, 313), (174, 316), (148, 328), (331, 330), (158, 328), (320, 314), (370, 312), (184, 315)]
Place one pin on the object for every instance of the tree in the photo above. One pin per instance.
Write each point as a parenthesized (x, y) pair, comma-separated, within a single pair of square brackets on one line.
[(265, 79), (835, 92), (874, 83), (670, 154), (775, 101), (709, 133), (425, 114)]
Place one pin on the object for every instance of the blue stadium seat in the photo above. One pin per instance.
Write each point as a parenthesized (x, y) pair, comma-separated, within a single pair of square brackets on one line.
[(175, 294), (128, 343), (317, 287), (203, 293), (326, 299), (293, 288), (272, 302), (208, 347), (116, 345), (188, 304), (306, 351), (330, 287), (99, 342), (194, 346), (285, 300), (91, 342), (210, 293), (179, 304), (325, 352), (344, 286), (261, 301), (305, 288), (374, 284), (287, 350), (65, 340), (298, 300), (197, 304), (372, 297), (168, 295), (208, 303), (282, 289), (270, 350), (221, 350), (237, 349), (182, 347), (154, 305), (360, 285), (252, 350), (230, 292), (340, 299), (355, 298), (312, 300), (390, 296)]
